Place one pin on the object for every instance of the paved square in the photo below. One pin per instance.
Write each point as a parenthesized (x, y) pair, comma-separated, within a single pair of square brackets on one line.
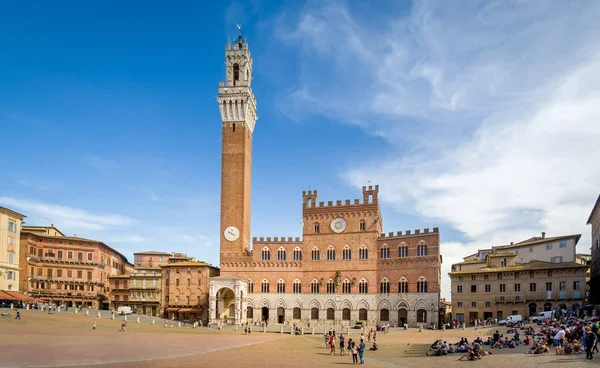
[(66, 339)]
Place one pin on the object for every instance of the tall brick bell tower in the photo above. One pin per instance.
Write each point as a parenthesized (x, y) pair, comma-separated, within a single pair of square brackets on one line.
[(238, 115)]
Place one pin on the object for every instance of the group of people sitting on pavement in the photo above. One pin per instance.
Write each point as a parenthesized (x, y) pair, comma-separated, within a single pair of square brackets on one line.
[(471, 351)]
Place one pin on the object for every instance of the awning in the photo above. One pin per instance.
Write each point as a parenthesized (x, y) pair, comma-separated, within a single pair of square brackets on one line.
[(190, 310), (13, 295), (172, 309)]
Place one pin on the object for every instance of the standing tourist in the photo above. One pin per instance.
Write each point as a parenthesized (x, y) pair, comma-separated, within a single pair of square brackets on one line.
[(361, 351)]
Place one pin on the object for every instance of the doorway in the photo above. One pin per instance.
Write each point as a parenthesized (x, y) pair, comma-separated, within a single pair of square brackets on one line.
[(402, 316), (280, 315), (265, 313), (532, 309)]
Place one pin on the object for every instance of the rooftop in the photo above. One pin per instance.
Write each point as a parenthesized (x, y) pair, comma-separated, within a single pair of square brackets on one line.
[(596, 207), (187, 264), (11, 212), (539, 239), (531, 266), (153, 252)]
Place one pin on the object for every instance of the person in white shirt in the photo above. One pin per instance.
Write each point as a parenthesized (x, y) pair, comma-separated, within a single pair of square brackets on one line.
[(558, 339)]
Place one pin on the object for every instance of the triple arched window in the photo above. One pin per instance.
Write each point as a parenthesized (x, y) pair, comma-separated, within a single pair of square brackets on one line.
[(297, 287), (266, 254), (297, 254), (265, 286), (363, 253), (384, 286), (403, 286), (403, 251), (314, 286), (346, 286), (385, 251), (363, 286), (281, 286), (347, 253), (331, 253), (330, 287), (281, 254), (250, 286), (422, 285), (316, 254), (421, 249)]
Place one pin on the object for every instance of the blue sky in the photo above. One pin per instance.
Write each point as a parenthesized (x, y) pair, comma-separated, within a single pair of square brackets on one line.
[(478, 117)]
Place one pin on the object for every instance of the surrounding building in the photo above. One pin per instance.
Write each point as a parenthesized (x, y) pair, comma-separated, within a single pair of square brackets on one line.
[(141, 289), (343, 270), (10, 233), (68, 270), (594, 284), (185, 287), (538, 248), (500, 286)]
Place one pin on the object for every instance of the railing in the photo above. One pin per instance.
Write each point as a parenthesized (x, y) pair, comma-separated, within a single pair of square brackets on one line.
[(36, 258), (65, 279)]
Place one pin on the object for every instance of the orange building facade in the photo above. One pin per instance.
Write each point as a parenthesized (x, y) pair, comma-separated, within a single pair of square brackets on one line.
[(344, 269), (67, 270), (185, 290)]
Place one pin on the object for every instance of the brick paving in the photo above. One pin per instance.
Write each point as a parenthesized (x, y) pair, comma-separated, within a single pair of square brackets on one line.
[(66, 339)]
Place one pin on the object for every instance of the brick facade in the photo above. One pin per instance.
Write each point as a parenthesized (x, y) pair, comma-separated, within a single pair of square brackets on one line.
[(68, 270), (356, 273)]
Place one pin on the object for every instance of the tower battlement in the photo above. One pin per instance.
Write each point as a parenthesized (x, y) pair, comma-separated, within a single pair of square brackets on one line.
[(407, 233), (278, 240), (370, 196)]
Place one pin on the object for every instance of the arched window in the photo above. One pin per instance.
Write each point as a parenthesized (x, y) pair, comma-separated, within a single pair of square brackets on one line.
[(250, 286), (384, 286), (385, 251), (347, 253), (331, 253), (316, 254), (422, 249), (236, 72), (363, 225), (281, 286), (403, 286), (314, 286), (422, 285), (330, 314), (403, 251), (317, 228), (422, 316), (266, 254), (281, 254), (314, 313), (297, 254), (363, 287), (297, 286), (330, 287), (297, 313), (363, 252), (265, 286), (346, 286)]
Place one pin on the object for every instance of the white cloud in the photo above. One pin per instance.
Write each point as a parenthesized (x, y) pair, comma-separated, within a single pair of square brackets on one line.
[(104, 166), (492, 108), (66, 217)]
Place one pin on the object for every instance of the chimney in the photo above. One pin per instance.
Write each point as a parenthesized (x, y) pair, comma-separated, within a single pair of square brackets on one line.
[(511, 243), (543, 235), (74, 235), (51, 225)]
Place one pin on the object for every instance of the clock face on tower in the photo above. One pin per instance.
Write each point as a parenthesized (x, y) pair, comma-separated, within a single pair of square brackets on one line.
[(338, 225), (231, 233)]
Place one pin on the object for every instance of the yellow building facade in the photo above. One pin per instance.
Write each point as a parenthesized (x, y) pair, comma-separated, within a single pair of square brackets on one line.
[(10, 231)]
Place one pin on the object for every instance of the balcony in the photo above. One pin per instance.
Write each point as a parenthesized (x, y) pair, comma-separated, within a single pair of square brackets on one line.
[(35, 258), (65, 279)]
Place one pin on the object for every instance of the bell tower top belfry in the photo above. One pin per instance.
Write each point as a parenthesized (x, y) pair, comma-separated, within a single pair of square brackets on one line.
[(236, 99), (238, 117)]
